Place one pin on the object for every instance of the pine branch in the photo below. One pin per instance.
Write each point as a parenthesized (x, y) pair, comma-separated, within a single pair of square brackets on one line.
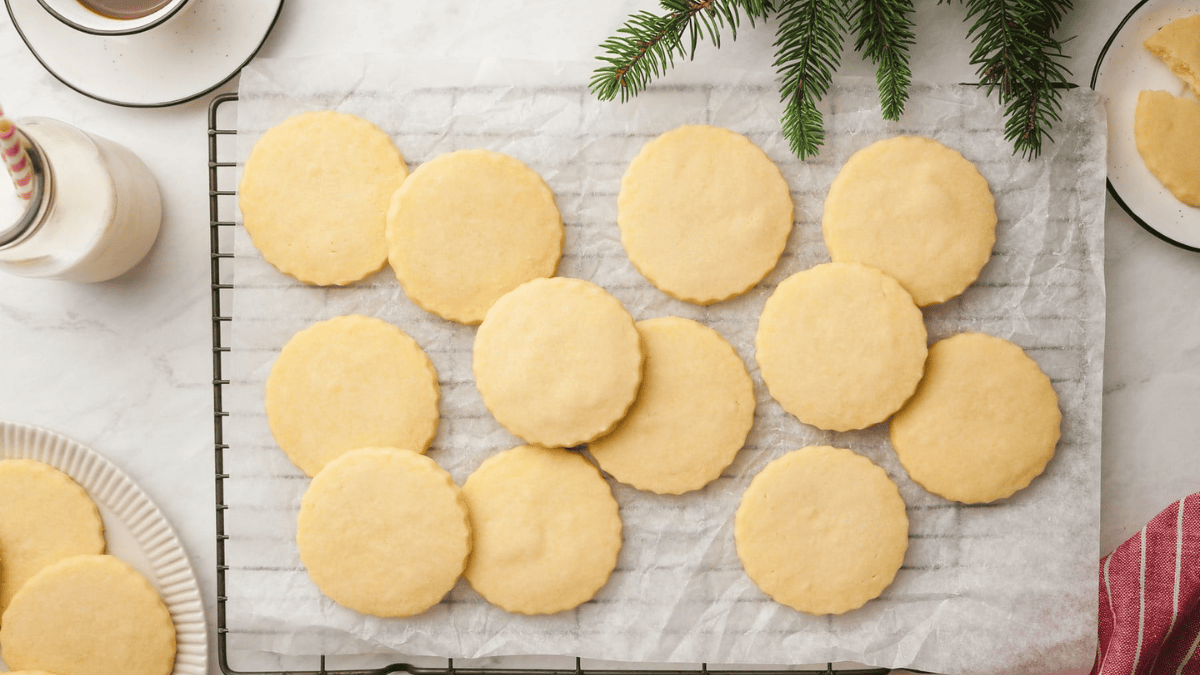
[(1019, 58), (648, 43), (885, 33), (808, 46)]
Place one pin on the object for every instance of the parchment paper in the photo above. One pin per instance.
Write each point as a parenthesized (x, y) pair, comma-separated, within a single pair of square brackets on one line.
[(995, 588)]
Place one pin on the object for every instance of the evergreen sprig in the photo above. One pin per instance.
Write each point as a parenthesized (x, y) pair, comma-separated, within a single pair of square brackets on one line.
[(884, 30), (1020, 60), (808, 46), (1017, 56), (649, 43)]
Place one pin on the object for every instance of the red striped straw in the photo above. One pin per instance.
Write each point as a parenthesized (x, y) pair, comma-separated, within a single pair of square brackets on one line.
[(16, 159)]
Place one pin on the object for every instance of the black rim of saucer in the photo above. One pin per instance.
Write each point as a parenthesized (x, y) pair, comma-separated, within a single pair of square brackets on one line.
[(109, 33), (127, 104), (1112, 190)]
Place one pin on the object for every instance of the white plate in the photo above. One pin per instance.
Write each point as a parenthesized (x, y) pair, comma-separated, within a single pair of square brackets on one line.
[(191, 54), (1126, 67), (134, 529)]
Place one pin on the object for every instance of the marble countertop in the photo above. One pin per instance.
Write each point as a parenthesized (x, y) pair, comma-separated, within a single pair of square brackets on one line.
[(125, 366)]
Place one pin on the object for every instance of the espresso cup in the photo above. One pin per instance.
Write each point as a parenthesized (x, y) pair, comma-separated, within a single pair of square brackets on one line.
[(112, 17)]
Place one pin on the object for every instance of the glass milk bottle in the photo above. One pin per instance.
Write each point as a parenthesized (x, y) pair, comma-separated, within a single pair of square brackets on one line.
[(95, 210)]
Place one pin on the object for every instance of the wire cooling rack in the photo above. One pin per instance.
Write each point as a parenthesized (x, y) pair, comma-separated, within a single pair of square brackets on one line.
[(222, 220)]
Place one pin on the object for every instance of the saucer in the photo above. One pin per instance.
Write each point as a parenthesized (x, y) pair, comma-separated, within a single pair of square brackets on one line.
[(1125, 68), (191, 54)]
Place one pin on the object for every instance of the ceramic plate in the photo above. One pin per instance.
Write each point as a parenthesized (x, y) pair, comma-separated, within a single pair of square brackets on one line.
[(134, 529), (1125, 68), (194, 52)]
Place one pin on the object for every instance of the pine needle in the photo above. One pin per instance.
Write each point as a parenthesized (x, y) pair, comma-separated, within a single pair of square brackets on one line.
[(808, 46), (885, 33), (648, 44)]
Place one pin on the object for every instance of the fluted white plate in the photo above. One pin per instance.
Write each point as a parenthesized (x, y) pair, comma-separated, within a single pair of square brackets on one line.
[(134, 528)]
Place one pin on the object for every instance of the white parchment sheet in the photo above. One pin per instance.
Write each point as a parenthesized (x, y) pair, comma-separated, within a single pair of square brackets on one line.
[(995, 588)]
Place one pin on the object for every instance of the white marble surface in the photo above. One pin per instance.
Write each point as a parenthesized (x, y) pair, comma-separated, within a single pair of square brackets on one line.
[(125, 366)]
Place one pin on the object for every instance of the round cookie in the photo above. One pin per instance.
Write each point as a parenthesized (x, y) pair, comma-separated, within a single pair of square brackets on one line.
[(44, 517), (557, 361), (314, 194), (915, 209), (89, 615), (692, 414), (348, 383), (1166, 131), (821, 530), (468, 227), (546, 527), (983, 423), (384, 532), (704, 213), (841, 346)]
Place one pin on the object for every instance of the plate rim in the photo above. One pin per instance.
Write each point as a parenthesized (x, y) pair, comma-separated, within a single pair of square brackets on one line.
[(1112, 190), (131, 104), (106, 483)]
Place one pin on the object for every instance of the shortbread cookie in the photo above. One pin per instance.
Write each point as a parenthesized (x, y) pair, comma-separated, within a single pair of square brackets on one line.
[(384, 532), (557, 361), (704, 213), (1166, 130), (89, 615), (348, 383), (1178, 45), (983, 423), (468, 227), (841, 346), (821, 530), (314, 195), (546, 528), (44, 517), (692, 414), (915, 209)]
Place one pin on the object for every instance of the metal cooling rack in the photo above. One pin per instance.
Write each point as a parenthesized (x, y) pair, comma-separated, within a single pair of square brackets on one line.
[(222, 205)]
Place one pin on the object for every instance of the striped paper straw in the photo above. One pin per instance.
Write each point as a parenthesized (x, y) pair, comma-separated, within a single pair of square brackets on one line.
[(16, 159)]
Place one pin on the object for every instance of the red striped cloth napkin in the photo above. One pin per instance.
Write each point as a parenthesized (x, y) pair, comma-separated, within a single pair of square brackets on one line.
[(1150, 598)]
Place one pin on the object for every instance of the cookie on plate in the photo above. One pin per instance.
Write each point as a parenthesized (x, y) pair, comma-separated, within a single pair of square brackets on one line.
[(89, 615), (44, 517)]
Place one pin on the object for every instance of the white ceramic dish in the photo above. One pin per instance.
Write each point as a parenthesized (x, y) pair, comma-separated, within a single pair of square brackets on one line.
[(134, 529), (194, 52), (1124, 69)]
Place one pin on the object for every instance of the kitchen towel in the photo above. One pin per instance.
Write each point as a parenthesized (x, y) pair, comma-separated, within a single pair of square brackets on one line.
[(1150, 597)]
